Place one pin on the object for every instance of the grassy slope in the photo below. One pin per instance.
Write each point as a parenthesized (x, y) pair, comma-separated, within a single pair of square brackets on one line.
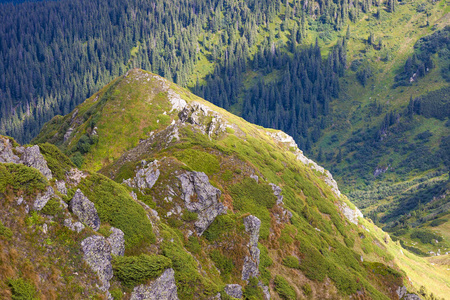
[(244, 151)]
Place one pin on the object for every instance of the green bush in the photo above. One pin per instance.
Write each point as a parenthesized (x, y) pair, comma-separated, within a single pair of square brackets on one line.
[(23, 178), (57, 162), (199, 160), (252, 291), (22, 289), (116, 207), (221, 224), (264, 262), (193, 245), (52, 207), (425, 237), (189, 216), (116, 294), (307, 289), (284, 289), (437, 222), (134, 270), (5, 231), (291, 262), (223, 263), (77, 159)]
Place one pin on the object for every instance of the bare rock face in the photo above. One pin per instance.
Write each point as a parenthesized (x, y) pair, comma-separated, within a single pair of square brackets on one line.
[(350, 214), (163, 288), (251, 263), (41, 200), (97, 254), (233, 290), (74, 226), (84, 210), (117, 242), (6, 151), (199, 115), (146, 176), (32, 157), (206, 204)]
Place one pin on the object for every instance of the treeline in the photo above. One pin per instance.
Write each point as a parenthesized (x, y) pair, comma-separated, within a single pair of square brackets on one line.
[(421, 62), (54, 54)]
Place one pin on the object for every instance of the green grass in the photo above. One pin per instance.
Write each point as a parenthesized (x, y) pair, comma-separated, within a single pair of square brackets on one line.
[(52, 207), (5, 231), (200, 161), (21, 178), (22, 289), (57, 162), (116, 207), (284, 289)]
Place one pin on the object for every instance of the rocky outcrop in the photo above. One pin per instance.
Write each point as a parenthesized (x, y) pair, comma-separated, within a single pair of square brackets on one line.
[(6, 151), (203, 118), (41, 200), (401, 291), (32, 157), (277, 192), (233, 290), (117, 242), (74, 226), (84, 210), (350, 214), (97, 254), (286, 139), (163, 288), (281, 214), (265, 289), (411, 297), (202, 198), (251, 263), (146, 176), (61, 186), (74, 177), (177, 102)]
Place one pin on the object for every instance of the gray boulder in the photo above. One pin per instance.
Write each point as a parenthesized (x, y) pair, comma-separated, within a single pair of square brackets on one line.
[(32, 157), (233, 290), (251, 263), (97, 254), (146, 176), (350, 214), (117, 242), (61, 186), (401, 291), (206, 204), (266, 292), (163, 288), (277, 192), (41, 200), (412, 297), (84, 210), (6, 151), (77, 226)]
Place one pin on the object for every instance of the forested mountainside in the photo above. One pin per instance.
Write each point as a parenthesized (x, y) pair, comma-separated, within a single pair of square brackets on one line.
[(362, 86), (175, 198)]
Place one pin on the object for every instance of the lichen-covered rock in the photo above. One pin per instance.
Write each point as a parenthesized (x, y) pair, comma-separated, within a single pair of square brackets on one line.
[(401, 291), (350, 214), (233, 290), (97, 254), (265, 289), (411, 297), (6, 151), (146, 176), (61, 187), (163, 288), (251, 263), (74, 176), (206, 203), (277, 192), (32, 157), (117, 242), (255, 177), (41, 200), (77, 226), (84, 210), (203, 118)]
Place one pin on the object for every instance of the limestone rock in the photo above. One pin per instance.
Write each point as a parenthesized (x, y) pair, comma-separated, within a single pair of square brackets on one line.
[(41, 200), (250, 268), (146, 176), (97, 254), (233, 290), (61, 187), (77, 226), (163, 288), (84, 210), (117, 242), (350, 214), (6, 151), (265, 289), (254, 177), (401, 291), (203, 118), (32, 157), (206, 204), (286, 139), (74, 176)]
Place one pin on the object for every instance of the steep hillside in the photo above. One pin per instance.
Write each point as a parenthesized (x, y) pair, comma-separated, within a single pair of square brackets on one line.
[(177, 198)]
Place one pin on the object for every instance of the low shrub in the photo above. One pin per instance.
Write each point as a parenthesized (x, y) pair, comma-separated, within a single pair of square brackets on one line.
[(52, 207), (223, 263), (284, 289), (134, 270), (5, 231), (21, 177), (57, 162), (199, 160), (307, 289), (291, 262), (22, 289), (221, 224)]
